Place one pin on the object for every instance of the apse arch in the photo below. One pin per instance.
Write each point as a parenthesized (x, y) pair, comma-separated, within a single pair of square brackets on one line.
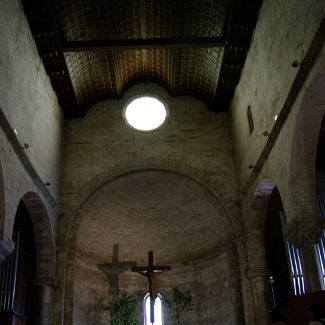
[(304, 148), (104, 178), (76, 253)]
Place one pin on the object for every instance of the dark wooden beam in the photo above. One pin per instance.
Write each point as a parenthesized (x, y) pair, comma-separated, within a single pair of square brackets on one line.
[(149, 43)]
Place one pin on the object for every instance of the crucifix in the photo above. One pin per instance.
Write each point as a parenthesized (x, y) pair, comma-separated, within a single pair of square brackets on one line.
[(151, 272)]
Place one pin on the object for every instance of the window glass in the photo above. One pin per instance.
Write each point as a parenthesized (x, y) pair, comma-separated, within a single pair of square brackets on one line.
[(158, 311)]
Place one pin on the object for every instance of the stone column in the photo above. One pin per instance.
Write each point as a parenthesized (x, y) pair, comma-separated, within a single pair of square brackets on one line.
[(305, 236), (246, 289), (44, 301), (258, 279)]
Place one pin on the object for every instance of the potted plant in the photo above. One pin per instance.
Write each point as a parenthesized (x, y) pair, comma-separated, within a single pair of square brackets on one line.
[(180, 302), (123, 309)]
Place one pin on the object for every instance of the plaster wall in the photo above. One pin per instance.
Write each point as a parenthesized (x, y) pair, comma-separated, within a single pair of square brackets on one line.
[(31, 108), (26, 95), (279, 39), (213, 281)]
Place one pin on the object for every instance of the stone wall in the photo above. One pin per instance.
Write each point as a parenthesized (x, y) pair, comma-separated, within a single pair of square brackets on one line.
[(213, 282), (282, 37), (192, 140), (31, 118), (30, 148), (194, 144)]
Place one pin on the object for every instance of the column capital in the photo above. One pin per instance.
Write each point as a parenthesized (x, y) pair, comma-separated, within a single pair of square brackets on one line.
[(7, 246), (304, 232)]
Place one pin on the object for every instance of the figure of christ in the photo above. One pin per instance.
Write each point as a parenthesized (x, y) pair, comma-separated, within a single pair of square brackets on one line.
[(151, 272)]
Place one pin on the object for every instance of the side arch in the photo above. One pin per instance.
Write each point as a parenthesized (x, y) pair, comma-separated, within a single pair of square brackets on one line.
[(304, 147), (6, 244), (255, 210), (44, 240)]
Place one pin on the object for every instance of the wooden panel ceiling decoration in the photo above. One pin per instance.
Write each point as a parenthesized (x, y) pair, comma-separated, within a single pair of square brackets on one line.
[(95, 49)]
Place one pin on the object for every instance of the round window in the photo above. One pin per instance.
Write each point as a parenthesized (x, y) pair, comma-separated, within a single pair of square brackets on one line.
[(145, 113)]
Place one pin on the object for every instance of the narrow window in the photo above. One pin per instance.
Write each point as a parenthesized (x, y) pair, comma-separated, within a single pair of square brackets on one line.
[(159, 319), (294, 261), (250, 120)]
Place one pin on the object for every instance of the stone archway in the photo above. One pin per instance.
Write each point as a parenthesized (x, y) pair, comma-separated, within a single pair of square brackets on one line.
[(88, 199), (254, 215), (45, 257), (44, 240), (28, 274), (104, 178), (302, 179), (6, 244)]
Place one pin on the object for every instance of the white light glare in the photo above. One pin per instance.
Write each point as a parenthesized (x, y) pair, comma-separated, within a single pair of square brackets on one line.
[(145, 113), (158, 312), (275, 117)]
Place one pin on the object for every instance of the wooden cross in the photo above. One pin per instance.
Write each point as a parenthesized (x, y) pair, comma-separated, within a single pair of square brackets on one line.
[(151, 272)]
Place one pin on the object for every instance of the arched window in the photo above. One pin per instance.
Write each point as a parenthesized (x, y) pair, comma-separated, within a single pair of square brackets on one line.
[(159, 317), (295, 266)]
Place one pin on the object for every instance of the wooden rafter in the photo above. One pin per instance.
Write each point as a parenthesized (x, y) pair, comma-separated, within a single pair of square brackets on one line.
[(149, 43)]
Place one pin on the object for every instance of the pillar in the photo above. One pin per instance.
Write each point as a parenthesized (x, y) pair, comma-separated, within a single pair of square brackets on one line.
[(258, 280), (246, 289), (44, 301), (305, 236)]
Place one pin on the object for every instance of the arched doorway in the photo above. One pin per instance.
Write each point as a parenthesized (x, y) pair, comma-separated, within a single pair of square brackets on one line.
[(17, 274), (27, 275), (276, 253)]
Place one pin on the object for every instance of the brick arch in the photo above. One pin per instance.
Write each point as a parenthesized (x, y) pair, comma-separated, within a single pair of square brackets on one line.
[(106, 177), (2, 204), (6, 244), (44, 240), (304, 148), (255, 211)]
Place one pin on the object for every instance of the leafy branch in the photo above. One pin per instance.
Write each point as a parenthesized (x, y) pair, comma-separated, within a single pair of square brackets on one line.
[(180, 302), (123, 309)]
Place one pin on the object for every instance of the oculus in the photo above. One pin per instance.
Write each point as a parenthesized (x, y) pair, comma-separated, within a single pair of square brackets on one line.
[(145, 113)]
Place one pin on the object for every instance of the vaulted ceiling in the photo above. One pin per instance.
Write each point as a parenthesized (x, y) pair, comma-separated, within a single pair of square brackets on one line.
[(95, 49)]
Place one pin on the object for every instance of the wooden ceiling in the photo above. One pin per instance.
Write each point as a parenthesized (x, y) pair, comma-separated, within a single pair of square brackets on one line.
[(95, 49)]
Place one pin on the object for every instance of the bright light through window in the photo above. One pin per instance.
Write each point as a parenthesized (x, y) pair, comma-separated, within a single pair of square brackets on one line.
[(145, 113), (158, 311)]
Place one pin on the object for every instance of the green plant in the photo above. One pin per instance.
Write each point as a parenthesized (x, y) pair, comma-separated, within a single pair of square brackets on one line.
[(123, 309), (180, 302)]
